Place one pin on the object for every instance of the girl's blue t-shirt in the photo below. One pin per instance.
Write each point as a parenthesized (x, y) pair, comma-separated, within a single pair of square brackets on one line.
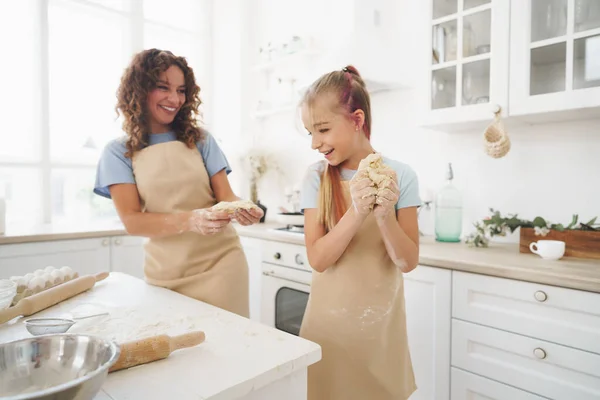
[(114, 168), (407, 182)]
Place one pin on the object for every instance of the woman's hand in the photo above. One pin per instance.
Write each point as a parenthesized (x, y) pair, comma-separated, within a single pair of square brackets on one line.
[(387, 197), (207, 222), (249, 217), (362, 192)]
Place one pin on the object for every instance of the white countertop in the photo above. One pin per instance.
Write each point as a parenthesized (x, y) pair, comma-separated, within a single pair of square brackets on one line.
[(500, 259), (238, 356), (60, 231)]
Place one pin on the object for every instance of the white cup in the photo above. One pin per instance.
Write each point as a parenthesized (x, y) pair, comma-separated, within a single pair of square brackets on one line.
[(548, 249)]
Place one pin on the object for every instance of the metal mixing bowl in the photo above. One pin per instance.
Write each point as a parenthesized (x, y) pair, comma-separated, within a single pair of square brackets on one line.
[(55, 367)]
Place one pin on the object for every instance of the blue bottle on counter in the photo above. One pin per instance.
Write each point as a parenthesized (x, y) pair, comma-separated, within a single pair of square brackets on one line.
[(448, 211)]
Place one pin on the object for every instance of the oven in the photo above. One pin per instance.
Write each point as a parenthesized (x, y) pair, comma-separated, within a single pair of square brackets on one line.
[(285, 285)]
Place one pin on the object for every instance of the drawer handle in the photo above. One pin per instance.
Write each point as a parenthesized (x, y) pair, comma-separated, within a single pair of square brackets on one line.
[(299, 259), (540, 296), (277, 256), (539, 353)]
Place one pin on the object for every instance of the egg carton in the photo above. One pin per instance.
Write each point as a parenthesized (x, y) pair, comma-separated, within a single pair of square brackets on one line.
[(40, 280)]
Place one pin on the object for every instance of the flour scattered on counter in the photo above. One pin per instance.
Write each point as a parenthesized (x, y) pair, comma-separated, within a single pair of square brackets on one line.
[(128, 324)]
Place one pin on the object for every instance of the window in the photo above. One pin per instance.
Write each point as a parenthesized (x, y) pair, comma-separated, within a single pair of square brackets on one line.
[(59, 93)]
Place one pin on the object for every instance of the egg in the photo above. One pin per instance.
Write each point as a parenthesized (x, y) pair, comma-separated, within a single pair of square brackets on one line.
[(38, 272), (36, 284), (49, 269), (48, 281), (28, 276), (58, 276), (67, 272)]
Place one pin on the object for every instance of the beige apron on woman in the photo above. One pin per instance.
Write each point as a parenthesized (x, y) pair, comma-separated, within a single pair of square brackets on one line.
[(356, 313), (172, 178)]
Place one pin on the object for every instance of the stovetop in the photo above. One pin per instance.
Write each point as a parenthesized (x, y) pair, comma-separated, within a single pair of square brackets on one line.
[(298, 229)]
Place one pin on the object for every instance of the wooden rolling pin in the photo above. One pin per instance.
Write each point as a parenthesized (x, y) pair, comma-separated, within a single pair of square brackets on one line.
[(49, 297), (154, 348)]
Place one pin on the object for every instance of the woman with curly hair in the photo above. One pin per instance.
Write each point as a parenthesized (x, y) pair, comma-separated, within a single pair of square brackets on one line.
[(165, 175)]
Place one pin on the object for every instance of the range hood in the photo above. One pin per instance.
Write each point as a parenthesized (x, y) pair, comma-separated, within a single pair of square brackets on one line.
[(372, 42)]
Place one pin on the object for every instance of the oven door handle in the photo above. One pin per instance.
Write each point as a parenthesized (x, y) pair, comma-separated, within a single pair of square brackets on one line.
[(274, 275)]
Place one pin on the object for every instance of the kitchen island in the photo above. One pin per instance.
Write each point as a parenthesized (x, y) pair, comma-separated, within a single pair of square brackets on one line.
[(240, 359)]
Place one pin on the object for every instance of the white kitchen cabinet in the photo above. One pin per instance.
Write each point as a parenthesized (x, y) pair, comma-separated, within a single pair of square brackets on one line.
[(555, 57), (427, 292), (467, 69), (253, 250), (86, 256), (560, 315), (127, 255), (467, 386), (537, 366)]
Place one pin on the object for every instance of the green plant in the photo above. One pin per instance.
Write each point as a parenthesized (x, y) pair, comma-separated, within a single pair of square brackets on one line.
[(498, 225)]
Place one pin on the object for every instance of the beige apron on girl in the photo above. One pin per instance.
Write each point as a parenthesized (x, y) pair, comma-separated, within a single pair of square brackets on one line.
[(356, 313), (172, 178)]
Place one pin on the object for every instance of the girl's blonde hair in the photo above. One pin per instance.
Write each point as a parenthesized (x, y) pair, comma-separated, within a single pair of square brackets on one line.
[(349, 88)]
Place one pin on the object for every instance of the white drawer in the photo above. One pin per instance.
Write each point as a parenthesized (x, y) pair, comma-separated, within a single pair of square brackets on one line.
[(564, 316), (547, 369), (467, 386), (285, 254)]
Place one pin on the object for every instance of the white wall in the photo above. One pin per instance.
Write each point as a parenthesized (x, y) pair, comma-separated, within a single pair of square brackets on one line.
[(552, 170)]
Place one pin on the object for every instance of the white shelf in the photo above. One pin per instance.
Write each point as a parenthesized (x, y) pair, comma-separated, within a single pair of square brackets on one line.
[(285, 60), (273, 111)]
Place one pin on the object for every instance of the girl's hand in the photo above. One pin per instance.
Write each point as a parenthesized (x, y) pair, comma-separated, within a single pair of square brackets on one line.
[(387, 197), (207, 222), (249, 217), (362, 193)]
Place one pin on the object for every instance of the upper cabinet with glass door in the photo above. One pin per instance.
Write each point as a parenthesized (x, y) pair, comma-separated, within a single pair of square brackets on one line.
[(555, 58), (468, 69)]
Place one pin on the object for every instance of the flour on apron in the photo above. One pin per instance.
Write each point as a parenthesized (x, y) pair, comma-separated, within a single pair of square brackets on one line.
[(356, 313), (171, 178)]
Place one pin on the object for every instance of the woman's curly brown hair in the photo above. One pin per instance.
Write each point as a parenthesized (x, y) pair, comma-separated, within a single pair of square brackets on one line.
[(141, 77)]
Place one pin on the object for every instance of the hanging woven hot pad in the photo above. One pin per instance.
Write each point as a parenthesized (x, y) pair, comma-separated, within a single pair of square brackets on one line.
[(495, 139)]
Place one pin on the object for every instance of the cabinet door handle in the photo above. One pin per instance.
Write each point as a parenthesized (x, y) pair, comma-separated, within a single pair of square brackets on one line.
[(539, 353), (105, 242), (277, 256), (118, 242), (299, 259), (540, 296)]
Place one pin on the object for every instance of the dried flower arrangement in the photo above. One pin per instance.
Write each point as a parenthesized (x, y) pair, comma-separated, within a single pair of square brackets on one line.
[(259, 162), (497, 225)]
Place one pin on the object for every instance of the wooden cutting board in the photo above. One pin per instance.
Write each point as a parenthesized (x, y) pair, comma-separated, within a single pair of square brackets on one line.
[(49, 297), (154, 348)]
